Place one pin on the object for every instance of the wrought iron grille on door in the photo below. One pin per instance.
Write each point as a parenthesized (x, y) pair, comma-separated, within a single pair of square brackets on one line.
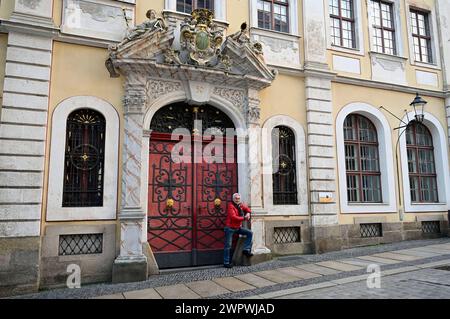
[(187, 200)]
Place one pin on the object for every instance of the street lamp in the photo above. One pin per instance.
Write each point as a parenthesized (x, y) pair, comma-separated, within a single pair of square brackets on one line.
[(418, 105)]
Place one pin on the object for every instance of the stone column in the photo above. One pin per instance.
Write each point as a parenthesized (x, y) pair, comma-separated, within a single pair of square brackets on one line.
[(255, 176), (23, 132), (321, 141), (131, 264)]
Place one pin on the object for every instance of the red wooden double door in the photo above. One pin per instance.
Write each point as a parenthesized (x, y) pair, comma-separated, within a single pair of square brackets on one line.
[(187, 200)]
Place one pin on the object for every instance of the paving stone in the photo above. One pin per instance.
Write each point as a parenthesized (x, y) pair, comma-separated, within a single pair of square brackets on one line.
[(395, 256), (434, 250), (296, 272), (284, 293), (339, 266), (380, 260), (207, 288), (115, 296), (233, 284), (389, 272), (179, 291), (276, 276), (435, 264), (142, 294), (441, 246), (318, 269), (350, 279), (255, 280), (418, 253), (357, 262)]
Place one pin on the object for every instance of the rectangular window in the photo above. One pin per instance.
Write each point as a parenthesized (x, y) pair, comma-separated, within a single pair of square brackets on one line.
[(187, 6), (342, 23), (383, 27), (421, 34), (273, 15)]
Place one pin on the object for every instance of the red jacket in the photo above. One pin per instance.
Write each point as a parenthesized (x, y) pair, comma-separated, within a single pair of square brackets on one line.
[(234, 220)]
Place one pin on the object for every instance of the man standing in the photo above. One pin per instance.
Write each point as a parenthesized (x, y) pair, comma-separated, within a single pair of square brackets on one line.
[(236, 214)]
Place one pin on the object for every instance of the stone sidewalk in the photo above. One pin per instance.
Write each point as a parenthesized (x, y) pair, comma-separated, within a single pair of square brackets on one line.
[(284, 276), (251, 282)]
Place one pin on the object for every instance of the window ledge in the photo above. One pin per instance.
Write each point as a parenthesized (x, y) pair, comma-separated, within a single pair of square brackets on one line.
[(273, 33), (368, 208), (426, 65), (388, 56), (337, 48)]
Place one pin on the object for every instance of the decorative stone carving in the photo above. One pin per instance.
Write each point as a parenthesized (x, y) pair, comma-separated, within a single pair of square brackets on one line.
[(158, 88), (31, 4), (135, 99), (201, 42), (243, 37), (235, 96), (153, 23)]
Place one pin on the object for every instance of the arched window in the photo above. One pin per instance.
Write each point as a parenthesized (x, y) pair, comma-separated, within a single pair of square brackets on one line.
[(421, 165), (362, 160), (187, 6), (84, 159), (284, 176)]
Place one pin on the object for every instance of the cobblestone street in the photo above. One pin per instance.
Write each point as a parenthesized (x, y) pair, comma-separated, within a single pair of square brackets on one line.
[(414, 269)]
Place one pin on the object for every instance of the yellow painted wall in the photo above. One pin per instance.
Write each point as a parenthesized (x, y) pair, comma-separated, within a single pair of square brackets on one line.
[(396, 102), (285, 96), (80, 70), (6, 8)]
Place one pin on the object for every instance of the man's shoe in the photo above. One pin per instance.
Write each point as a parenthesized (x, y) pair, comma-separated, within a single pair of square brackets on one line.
[(228, 265), (247, 253)]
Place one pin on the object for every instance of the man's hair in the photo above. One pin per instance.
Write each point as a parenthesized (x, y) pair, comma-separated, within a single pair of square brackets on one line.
[(235, 195)]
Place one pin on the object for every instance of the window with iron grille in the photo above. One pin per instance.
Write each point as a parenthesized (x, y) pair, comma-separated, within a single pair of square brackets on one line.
[(187, 6), (421, 36), (431, 227), (383, 27), (342, 23), (273, 15), (84, 159), (284, 177), (286, 235), (362, 160), (80, 244), (421, 165), (371, 230)]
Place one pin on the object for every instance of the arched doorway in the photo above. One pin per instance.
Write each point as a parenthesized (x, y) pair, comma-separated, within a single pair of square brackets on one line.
[(192, 176)]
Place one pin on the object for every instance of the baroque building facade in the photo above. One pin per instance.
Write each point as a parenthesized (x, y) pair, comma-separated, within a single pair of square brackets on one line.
[(324, 145)]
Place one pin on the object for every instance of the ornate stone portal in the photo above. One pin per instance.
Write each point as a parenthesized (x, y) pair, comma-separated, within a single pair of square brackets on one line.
[(208, 69)]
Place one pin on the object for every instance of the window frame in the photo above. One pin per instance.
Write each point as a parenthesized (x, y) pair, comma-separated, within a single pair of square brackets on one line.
[(272, 14), (440, 143), (302, 209), (341, 19), (55, 211), (194, 6), (359, 173), (416, 148), (383, 28), (292, 175), (428, 38), (386, 161)]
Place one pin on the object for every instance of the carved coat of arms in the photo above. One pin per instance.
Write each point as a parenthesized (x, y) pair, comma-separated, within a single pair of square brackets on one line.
[(201, 38)]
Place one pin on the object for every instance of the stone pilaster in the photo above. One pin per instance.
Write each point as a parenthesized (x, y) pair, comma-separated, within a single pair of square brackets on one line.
[(131, 264), (255, 172), (443, 22), (22, 150), (321, 142)]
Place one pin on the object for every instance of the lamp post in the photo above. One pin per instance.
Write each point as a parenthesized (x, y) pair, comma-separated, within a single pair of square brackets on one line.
[(418, 105)]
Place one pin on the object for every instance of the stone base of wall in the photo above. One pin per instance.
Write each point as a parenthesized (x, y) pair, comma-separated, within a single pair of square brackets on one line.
[(304, 246), (94, 267), (338, 237), (19, 265)]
